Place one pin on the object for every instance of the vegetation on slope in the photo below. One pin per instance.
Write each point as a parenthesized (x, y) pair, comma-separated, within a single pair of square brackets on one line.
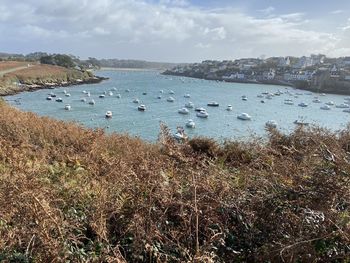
[(40, 74), (37, 76), (7, 65), (73, 194)]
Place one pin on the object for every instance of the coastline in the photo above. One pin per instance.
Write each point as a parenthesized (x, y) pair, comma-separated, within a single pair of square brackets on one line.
[(128, 69), (301, 85), (34, 87), (43, 76)]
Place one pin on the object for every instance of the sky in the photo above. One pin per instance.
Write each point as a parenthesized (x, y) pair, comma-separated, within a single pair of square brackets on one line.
[(176, 30)]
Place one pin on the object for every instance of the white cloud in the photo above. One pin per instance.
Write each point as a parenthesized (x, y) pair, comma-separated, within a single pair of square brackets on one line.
[(169, 30), (175, 2), (267, 10), (336, 12), (202, 45)]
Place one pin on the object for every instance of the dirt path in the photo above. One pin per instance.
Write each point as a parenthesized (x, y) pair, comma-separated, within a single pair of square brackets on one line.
[(3, 72)]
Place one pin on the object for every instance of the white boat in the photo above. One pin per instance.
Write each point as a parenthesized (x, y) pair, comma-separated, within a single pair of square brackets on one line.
[(159, 97), (110, 93), (213, 104), (301, 122), (141, 107), (119, 96), (88, 94), (200, 109), (171, 92), (343, 106), (161, 91), (67, 94), (59, 99), (180, 134), (136, 100), (323, 94), (127, 90), (289, 102), (325, 107), (302, 104), (260, 96), (229, 108), (189, 105), (271, 124), (244, 98), (170, 99), (316, 101), (109, 114), (183, 111), (92, 102), (330, 103), (244, 116), (114, 89), (102, 96), (83, 100), (278, 93), (190, 124), (52, 95), (84, 92), (49, 98), (187, 96), (64, 91), (67, 107), (202, 114)]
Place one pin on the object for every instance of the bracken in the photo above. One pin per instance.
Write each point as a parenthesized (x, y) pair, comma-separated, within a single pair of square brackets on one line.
[(71, 194)]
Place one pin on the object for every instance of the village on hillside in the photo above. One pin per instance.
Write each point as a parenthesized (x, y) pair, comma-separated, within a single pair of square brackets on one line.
[(315, 72)]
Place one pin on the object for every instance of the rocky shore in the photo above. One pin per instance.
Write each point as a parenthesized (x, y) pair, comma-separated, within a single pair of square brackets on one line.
[(44, 77)]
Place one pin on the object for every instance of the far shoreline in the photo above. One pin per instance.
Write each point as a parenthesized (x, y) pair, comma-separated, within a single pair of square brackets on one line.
[(128, 69)]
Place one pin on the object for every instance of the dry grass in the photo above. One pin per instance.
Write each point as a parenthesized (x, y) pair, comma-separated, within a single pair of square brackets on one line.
[(69, 194), (39, 74), (6, 65)]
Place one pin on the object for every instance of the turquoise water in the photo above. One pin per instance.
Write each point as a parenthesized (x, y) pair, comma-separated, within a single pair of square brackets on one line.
[(220, 124)]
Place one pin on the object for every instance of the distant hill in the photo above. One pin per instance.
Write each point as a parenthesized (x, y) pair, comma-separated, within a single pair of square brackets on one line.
[(92, 62), (129, 63)]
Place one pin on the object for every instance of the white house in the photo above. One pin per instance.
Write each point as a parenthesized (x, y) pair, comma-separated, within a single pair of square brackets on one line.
[(284, 62), (269, 75)]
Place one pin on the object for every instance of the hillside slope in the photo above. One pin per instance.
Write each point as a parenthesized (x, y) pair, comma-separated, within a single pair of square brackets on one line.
[(38, 76), (69, 194)]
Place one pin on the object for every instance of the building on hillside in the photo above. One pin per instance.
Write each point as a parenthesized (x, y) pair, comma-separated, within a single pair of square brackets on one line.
[(283, 62), (298, 76), (236, 75), (269, 75), (346, 62), (334, 72), (303, 62)]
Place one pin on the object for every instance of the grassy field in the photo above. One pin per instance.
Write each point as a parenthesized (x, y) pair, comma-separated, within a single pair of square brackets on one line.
[(39, 74), (6, 65), (69, 194)]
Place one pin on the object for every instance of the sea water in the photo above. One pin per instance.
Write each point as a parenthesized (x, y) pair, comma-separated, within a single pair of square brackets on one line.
[(221, 124)]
